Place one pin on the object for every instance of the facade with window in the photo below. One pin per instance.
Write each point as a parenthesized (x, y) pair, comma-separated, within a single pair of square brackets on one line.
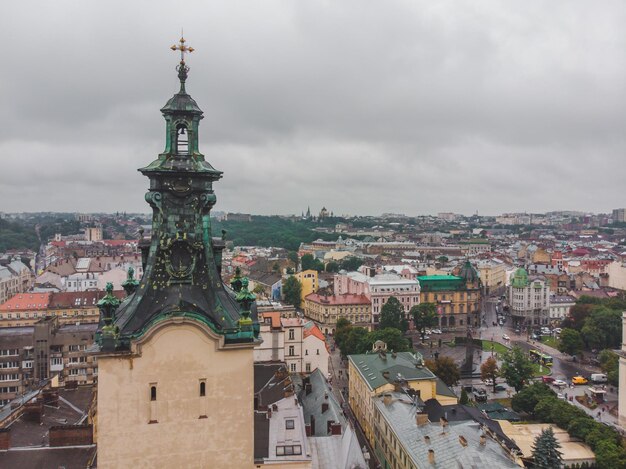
[(309, 281), (529, 300), (325, 310), (379, 288), (34, 353), (457, 301)]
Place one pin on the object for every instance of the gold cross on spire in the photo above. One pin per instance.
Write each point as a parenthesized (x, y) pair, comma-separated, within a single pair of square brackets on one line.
[(182, 48)]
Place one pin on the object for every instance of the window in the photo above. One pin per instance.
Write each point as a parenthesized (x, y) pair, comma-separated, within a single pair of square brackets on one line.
[(288, 450), (308, 367), (202, 389), (153, 393), (292, 367), (290, 424), (318, 351), (292, 350), (291, 334)]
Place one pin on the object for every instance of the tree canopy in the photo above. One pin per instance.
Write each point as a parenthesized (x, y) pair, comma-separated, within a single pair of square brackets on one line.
[(392, 315), (516, 368), (546, 454), (424, 315), (444, 368), (571, 342), (489, 371), (292, 291)]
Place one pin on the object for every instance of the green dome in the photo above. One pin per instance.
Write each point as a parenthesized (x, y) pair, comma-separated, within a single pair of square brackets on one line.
[(520, 279), (469, 273)]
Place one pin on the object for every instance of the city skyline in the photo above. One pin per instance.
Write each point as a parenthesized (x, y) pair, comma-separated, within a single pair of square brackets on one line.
[(398, 108)]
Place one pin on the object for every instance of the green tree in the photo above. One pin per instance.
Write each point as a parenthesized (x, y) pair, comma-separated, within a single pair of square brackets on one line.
[(342, 329), (258, 289), (293, 257), (394, 338), (577, 315), (580, 427), (609, 455), (292, 291), (464, 400), (603, 328), (516, 368), (609, 361), (351, 263), (571, 342), (310, 263), (392, 315), (445, 369), (546, 454), (332, 266), (276, 267), (356, 341), (489, 371), (424, 316), (527, 398)]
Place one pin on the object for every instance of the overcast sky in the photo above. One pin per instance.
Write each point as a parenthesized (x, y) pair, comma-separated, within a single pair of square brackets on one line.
[(361, 106)]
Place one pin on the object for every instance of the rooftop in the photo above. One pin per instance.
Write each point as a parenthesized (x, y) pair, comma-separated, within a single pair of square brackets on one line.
[(26, 302), (338, 300), (456, 445), (378, 369)]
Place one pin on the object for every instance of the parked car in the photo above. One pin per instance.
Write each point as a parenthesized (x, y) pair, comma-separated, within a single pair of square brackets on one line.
[(599, 378), (506, 337), (557, 330), (500, 387), (560, 396), (517, 331), (480, 395), (488, 382), (547, 379), (559, 383), (436, 331), (579, 380)]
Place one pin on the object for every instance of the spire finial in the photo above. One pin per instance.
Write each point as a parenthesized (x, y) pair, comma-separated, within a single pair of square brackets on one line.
[(182, 68), (182, 48)]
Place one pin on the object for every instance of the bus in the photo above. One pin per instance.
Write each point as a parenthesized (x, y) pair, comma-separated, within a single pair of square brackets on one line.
[(540, 357)]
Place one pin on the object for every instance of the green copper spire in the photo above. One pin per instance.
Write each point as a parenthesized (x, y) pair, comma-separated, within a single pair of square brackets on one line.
[(183, 260)]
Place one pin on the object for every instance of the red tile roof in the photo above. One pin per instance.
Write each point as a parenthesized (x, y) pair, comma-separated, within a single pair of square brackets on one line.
[(333, 300), (273, 315), (26, 302), (314, 330), (80, 299)]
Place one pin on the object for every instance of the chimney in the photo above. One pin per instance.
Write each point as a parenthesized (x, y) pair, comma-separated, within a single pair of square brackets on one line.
[(463, 441), (312, 425), (427, 439), (421, 418), (307, 429), (444, 425), (324, 407), (483, 440), (387, 399), (335, 428), (269, 413), (431, 456)]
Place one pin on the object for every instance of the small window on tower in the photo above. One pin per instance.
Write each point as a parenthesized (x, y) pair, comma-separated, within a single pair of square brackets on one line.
[(202, 389), (182, 139), (153, 393)]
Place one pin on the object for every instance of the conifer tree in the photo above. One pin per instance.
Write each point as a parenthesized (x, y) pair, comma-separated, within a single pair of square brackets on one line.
[(546, 454)]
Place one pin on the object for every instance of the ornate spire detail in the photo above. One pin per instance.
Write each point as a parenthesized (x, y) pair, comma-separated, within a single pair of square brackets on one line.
[(130, 284), (107, 306), (182, 69)]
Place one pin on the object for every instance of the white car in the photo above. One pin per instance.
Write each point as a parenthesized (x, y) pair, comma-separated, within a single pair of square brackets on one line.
[(558, 330), (559, 383), (506, 337), (436, 331)]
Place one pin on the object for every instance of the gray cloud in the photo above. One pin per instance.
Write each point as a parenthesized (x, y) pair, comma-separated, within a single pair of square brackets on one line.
[(364, 107)]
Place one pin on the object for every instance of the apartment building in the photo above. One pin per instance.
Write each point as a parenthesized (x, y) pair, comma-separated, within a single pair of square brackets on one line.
[(379, 288), (31, 354), (325, 310)]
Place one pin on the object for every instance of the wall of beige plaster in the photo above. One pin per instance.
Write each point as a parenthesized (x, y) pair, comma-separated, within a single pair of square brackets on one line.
[(176, 358)]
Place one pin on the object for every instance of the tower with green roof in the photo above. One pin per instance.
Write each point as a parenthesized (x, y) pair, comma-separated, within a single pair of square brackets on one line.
[(175, 358)]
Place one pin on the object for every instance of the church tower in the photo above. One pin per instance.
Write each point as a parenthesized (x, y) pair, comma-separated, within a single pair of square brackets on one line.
[(175, 358)]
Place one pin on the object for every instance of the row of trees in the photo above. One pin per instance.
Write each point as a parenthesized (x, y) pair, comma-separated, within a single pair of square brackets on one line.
[(539, 401), (392, 315)]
